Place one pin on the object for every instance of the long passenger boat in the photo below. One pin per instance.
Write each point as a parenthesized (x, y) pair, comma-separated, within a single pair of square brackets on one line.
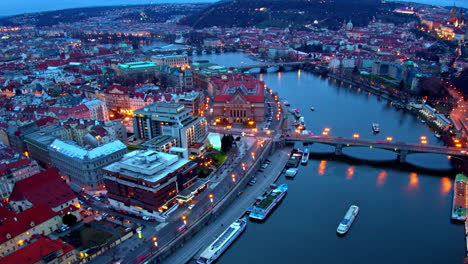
[(213, 251), (459, 198)]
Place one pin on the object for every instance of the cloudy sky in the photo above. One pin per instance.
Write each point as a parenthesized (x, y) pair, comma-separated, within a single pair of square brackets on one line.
[(12, 7)]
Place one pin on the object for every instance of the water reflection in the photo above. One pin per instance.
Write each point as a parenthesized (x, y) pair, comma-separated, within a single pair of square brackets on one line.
[(322, 167), (414, 181), (350, 173), (381, 178), (445, 185)]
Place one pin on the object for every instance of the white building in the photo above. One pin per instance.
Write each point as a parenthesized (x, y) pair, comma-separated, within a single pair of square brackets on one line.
[(97, 109), (84, 165)]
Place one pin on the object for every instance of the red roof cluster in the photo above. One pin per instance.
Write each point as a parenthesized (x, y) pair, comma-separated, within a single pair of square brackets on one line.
[(22, 222), (37, 250), (248, 86), (45, 188)]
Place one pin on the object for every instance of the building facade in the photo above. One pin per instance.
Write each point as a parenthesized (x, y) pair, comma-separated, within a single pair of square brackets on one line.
[(147, 182), (84, 166), (180, 61), (169, 119), (238, 98)]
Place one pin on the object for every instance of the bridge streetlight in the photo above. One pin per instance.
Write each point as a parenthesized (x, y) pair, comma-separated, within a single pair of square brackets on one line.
[(389, 139), (423, 140), (355, 136)]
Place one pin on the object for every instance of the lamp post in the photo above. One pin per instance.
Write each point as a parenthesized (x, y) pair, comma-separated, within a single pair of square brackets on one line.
[(233, 176), (211, 197), (184, 219), (356, 136)]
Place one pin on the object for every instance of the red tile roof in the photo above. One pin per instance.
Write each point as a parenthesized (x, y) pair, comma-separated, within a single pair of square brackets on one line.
[(20, 223), (43, 188), (35, 251)]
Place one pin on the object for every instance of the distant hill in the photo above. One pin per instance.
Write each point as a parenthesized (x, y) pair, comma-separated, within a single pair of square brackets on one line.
[(329, 13)]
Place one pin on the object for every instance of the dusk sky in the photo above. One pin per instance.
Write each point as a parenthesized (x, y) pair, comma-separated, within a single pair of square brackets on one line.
[(8, 7)]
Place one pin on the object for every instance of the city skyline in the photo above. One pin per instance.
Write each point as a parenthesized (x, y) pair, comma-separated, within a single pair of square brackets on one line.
[(34, 6)]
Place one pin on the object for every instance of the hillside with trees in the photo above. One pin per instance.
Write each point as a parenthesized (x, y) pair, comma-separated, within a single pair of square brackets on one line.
[(297, 13)]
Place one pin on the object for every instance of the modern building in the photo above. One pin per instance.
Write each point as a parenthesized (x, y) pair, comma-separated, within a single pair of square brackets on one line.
[(180, 61), (147, 182), (83, 165), (42, 250), (192, 100), (239, 98), (170, 119)]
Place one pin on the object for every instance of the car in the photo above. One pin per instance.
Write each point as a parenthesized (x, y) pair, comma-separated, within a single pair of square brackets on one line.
[(105, 214), (97, 198), (181, 228), (191, 206), (145, 218)]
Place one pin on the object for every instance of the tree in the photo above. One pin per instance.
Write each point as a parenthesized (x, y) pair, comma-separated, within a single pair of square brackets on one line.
[(69, 219), (226, 143)]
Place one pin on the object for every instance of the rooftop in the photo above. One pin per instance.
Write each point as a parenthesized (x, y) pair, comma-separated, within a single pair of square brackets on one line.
[(149, 165), (71, 149)]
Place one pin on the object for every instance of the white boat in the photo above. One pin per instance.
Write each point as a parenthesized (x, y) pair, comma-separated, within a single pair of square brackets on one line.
[(376, 128), (305, 156), (348, 220), (213, 251), (437, 135), (291, 173)]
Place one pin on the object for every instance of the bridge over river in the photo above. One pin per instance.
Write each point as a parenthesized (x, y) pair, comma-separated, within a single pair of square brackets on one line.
[(266, 66), (401, 148)]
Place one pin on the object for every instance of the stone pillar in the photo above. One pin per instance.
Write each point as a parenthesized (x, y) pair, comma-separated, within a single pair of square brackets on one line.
[(402, 155), (338, 149)]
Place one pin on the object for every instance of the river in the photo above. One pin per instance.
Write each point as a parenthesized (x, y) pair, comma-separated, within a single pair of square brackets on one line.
[(404, 215)]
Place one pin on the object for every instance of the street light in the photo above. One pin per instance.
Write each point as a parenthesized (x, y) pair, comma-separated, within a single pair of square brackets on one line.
[(389, 139), (243, 166), (356, 136), (211, 197), (184, 218), (233, 176), (155, 241)]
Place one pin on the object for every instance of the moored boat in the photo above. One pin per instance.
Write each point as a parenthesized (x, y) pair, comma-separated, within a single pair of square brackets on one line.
[(376, 128), (213, 251), (347, 220), (459, 198), (291, 173), (265, 204), (305, 156), (437, 135)]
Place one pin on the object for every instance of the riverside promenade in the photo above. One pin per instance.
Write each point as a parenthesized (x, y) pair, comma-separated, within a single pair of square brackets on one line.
[(193, 247)]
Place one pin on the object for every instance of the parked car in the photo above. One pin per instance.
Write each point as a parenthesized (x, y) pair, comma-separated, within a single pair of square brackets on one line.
[(191, 206), (145, 218)]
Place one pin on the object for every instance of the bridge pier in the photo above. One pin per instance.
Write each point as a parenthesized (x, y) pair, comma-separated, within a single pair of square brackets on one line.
[(402, 155), (338, 149)]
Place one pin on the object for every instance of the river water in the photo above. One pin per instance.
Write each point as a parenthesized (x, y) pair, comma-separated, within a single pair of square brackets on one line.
[(404, 215)]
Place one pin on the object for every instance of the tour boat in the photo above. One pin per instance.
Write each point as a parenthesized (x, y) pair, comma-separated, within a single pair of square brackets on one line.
[(265, 204), (376, 128), (213, 251), (347, 220)]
